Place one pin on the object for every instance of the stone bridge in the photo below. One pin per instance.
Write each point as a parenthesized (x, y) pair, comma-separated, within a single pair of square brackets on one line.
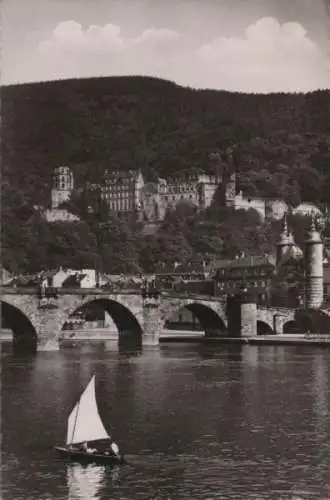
[(42, 318)]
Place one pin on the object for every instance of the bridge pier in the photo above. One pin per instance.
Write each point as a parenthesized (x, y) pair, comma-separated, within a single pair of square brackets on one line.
[(151, 320), (48, 321), (242, 316), (48, 345), (248, 317), (278, 323)]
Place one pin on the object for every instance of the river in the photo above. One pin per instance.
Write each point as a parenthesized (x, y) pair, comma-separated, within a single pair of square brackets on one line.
[(195, 421)]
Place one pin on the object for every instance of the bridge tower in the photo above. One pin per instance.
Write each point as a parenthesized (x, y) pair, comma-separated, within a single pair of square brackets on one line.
[(285, 242), (313, 269)]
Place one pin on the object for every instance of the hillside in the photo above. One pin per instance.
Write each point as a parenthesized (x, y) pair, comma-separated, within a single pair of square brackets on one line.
[(131, 122), (282, 149)]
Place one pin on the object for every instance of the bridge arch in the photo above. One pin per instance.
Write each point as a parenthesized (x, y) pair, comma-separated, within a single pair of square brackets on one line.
[(293, 326), (208, 318), (24, 333), (264, 328), (123, 319)]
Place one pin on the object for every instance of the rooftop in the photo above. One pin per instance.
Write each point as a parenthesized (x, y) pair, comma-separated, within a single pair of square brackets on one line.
[(252, 261)]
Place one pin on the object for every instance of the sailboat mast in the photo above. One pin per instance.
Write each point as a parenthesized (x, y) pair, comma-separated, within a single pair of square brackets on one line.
[(84, 422), (75, 421)]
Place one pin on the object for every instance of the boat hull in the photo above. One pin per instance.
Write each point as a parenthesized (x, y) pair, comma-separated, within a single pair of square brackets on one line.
[(84, 457)]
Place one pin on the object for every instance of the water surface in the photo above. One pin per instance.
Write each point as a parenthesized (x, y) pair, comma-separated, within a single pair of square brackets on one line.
[(196, 422)]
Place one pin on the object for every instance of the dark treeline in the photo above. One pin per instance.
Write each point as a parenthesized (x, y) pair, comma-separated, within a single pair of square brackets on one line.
[(281, 149)]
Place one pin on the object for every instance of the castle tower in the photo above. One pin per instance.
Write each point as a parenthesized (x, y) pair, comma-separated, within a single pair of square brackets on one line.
[(62, 185), (230, 190), (314, 269), (285, 242)]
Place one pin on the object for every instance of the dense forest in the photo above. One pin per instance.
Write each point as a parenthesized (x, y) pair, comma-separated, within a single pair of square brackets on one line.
[(281, 145)]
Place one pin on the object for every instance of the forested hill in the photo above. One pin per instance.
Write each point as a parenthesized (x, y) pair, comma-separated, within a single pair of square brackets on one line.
[(282, 149), (132, 122)]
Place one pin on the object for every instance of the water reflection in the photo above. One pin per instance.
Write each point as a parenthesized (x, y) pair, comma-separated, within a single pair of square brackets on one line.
[(320, 391), (320, 384), (85, 482)]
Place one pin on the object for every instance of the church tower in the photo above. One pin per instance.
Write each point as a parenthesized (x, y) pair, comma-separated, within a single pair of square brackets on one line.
[(314, 269), (285, 242), (62, 185)]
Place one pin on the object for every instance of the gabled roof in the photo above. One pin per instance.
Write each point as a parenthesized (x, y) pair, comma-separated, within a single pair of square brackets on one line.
[(189, 267), (119, 175), (74, 280)]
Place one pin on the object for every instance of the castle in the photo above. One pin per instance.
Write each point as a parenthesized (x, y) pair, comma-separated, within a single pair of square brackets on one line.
[(127, 193)]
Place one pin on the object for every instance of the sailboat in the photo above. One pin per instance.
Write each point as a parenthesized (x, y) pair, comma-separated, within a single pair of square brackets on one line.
[(86, 437)]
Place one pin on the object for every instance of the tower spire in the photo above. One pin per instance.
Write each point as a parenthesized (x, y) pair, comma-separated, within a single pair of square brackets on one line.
[(285, 241), (285, 226)]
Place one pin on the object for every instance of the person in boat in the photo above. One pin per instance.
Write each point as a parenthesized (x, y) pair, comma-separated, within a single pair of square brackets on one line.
[(87, 449), (113, 449)]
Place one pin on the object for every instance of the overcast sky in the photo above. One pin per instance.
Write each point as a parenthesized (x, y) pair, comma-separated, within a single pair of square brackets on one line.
[(244, 45)]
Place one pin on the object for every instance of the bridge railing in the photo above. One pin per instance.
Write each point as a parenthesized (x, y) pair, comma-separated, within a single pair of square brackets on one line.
[(98, 291), (19, 290), (66, 291)]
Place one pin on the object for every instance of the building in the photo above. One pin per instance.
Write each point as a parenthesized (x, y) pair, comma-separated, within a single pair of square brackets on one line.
[(294, 278), (266, 208), (155, 200), (177, 276), (126, 192), (63, 184), (198, 189), (253, 273), (5, 276), (60, 214), (307, 209), (122, 191), (71, 278)]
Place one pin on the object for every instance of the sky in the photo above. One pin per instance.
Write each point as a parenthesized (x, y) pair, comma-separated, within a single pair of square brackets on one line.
[(239, 45)]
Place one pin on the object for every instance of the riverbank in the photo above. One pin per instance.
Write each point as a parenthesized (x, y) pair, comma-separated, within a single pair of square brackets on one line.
[(72, 338), (287, 339)]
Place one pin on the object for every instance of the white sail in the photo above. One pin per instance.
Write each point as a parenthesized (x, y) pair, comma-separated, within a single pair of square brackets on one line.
[(84, 422)]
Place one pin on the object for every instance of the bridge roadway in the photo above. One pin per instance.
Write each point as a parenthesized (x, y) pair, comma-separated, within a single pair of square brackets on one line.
[(44, 317)]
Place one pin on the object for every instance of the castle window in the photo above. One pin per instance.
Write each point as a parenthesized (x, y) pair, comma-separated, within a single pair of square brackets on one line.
[(173, 198)]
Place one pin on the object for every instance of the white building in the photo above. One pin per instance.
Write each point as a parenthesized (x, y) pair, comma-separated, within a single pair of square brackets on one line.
[(71, 278), (307, 209)]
